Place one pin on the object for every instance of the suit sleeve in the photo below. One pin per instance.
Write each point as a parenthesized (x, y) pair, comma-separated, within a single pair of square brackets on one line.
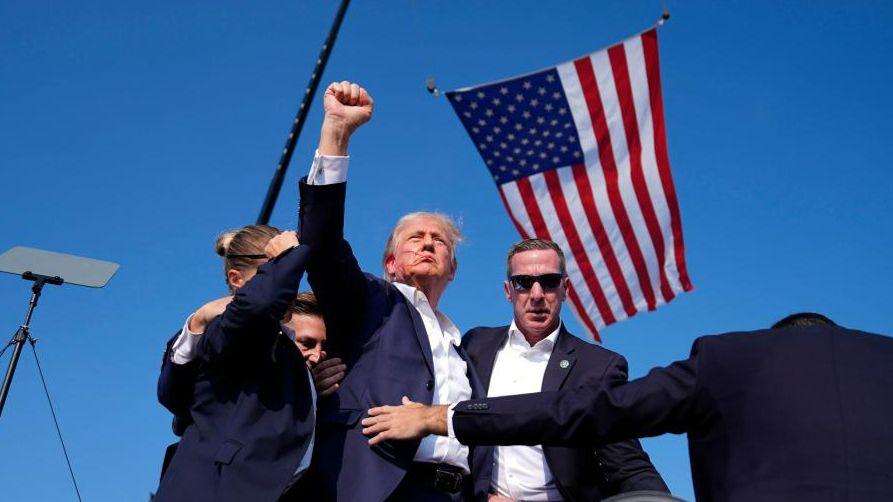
[(176, 382), (251, 321), (333, 272), (668, 399), (624, 464)]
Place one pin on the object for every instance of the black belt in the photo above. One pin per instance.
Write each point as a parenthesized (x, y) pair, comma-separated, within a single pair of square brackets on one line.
[(443, 477)]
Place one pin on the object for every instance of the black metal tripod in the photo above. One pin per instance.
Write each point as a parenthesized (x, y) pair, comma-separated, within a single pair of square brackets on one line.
[(24, 332)]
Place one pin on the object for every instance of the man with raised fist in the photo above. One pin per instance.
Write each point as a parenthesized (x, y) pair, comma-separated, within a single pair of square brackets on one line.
[(390, 335)]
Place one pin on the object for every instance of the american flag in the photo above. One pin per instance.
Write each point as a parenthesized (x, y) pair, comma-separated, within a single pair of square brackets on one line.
[(579, 155)]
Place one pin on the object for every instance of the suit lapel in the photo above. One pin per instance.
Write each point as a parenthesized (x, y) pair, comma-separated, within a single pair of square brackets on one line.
[(421, 333), (561, 363), (487, 359)]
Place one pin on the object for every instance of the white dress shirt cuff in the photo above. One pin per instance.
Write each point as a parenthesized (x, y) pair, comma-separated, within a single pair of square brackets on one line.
[(451, 433), (327, 169), (184, 347)]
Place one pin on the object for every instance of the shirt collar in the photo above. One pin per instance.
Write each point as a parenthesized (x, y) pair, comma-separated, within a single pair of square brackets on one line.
[(516, 339), (420, 302)]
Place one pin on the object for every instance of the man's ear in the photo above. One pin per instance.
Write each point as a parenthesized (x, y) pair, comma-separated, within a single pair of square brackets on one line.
[(390, 265), (508, 290)]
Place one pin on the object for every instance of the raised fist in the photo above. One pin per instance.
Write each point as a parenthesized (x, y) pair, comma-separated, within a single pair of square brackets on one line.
[(347, 105)]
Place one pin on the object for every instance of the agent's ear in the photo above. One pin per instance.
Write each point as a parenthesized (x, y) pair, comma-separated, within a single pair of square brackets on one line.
[(508, 290), (234, 279)]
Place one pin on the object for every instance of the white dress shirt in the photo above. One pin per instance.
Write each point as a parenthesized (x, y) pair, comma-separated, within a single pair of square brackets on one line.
[(183, 350), (451, 383), (521, 472)]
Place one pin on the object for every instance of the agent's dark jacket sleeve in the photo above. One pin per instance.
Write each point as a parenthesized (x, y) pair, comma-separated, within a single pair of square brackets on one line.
[(175, 384), (666, 400), (250, 322), (624, 464)]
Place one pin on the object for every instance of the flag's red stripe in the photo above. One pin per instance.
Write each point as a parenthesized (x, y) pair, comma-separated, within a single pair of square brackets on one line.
[(581, 178), (533, 210), (512, 215), (620, 69), (587, 321), (541, 231), (606, 156), (652, 69), (576, 246)]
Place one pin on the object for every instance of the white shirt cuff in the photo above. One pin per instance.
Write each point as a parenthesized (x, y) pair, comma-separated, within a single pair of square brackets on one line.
[(184, 347), (450, 432), (328, 169)]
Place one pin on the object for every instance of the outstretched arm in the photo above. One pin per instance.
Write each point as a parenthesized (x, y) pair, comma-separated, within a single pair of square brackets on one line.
[(666, 400), (333, 272)]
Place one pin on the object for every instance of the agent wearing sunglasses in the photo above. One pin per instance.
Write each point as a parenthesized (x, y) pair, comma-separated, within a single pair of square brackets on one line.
[(536, 353)]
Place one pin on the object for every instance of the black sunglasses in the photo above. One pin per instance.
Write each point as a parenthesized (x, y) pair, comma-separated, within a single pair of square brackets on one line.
[(252, 256), (548, 282)]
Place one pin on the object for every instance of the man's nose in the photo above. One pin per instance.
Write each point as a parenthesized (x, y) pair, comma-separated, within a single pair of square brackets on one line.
[(428, 243), (536, 292)]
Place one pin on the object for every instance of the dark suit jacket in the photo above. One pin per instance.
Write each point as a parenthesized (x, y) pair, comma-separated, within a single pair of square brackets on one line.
[(582, 473), (785, 414), (251, 406), (383, 342)]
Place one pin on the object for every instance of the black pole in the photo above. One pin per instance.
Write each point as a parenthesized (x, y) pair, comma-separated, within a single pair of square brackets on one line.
[(24, 332), (279, 175)]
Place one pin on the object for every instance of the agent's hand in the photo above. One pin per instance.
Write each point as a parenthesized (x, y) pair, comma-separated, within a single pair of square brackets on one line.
[(409, 421), (327, 375), (280, 243), (200, 319), (347, 107)]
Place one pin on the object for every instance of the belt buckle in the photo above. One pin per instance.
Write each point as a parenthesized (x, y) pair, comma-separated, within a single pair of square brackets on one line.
[(447, 481)]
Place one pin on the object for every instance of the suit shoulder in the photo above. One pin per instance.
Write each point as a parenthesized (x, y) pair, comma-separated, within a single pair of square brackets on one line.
[(591, 350), (482, 333)]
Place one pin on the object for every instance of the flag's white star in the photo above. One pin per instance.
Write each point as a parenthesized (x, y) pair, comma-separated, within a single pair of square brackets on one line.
[(527, 85), (541, 91), (550, 78), (534, 102), (480, 95), (496, 101), (503, 90)]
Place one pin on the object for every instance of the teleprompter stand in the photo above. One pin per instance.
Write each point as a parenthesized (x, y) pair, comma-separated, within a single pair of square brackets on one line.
[(24, 332)]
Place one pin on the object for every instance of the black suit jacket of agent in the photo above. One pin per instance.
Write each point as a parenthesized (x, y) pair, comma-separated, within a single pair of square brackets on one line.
[(247, 395), (581, 473), (773, 415)]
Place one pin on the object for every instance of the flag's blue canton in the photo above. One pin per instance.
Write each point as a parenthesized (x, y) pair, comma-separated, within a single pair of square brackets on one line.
[(522, 126)]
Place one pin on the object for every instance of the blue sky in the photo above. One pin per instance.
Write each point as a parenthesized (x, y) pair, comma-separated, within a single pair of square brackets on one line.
[(135, 132)]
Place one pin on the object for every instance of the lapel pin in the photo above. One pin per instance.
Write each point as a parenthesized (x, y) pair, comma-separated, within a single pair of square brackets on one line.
[(564, 364)]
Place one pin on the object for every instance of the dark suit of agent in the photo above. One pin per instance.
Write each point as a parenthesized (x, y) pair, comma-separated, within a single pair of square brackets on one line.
[(535, 353), (251, 405), (584, 473), (793, 413), (389, 333)]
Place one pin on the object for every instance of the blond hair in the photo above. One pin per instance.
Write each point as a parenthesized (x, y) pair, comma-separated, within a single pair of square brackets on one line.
[(248, 240)]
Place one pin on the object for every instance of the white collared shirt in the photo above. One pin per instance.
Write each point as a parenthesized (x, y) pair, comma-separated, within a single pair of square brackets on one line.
[(451, 383), (450, 371), (521, 472)]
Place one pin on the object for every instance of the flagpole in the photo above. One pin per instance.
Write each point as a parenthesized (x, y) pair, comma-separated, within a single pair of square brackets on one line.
[(279, 175)]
